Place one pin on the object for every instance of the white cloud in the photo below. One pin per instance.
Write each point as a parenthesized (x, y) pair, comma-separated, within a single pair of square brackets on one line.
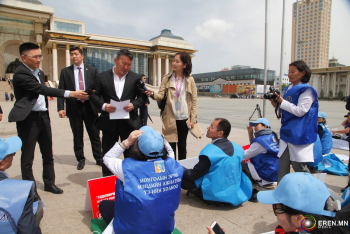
[(214, 29)]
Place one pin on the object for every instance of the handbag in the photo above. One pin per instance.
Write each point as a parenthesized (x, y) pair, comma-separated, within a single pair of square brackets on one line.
[(161, 103)]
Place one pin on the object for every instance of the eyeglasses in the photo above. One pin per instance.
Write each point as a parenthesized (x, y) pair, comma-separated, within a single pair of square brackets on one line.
[(36, 57), (278, 210)]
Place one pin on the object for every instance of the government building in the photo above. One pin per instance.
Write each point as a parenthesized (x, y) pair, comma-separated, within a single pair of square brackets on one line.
[(31, 21)]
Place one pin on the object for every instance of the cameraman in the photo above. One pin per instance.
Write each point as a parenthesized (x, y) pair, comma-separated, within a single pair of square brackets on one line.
[(298, 132)]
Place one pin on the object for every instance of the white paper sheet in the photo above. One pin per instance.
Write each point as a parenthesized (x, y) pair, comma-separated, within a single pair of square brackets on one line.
[(120, 113)]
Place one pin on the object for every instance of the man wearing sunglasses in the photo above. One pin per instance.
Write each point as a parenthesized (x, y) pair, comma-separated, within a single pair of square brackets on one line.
[(30, 112), (218, 178)]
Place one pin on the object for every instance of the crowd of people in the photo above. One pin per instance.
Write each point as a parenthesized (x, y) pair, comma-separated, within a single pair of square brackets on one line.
[(150, 178)]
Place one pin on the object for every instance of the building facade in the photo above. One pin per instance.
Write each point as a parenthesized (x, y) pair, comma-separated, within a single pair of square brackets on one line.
[(311, 32), (30, 21)]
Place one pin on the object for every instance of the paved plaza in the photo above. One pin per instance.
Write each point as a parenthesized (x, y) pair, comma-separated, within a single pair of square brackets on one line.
[(65, 213)]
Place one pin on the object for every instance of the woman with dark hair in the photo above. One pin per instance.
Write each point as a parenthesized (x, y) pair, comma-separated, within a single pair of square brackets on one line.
[(263, 165), (180, 112), (303, 204), (148, 186), (298, 133)]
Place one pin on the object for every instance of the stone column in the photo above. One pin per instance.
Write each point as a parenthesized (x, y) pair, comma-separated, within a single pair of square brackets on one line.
[(327, 85), (166, 64), (154, 71), (136, 63), (338, 82), (334, 83), (67, 56), (54, 62), (145, 66), (347, 90), (41, 63), (159, 66)]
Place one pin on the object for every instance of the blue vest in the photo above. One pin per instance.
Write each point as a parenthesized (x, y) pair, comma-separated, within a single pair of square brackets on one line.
[(299, 130), (11, 209), (150, 197), (225, 181), (317, 153), (326, 140), (266, 165)]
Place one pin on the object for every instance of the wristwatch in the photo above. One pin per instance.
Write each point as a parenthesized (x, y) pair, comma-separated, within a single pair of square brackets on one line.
[(123, 143)]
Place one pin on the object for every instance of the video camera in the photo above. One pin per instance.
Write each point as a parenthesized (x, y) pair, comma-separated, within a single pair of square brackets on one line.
[(271, 94)]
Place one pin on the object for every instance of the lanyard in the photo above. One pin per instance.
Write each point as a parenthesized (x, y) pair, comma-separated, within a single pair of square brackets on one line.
[(178, 90)]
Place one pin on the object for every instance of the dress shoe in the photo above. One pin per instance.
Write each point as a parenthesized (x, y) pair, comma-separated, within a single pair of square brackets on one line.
[(53, 189), (99, 163), (81, 165), (36, 196)]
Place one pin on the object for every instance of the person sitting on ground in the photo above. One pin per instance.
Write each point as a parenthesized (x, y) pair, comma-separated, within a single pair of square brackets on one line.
[(324, 133), (218, 178), (263, 165), (148, 184), (301, 202), (346, 130), (17, 196)]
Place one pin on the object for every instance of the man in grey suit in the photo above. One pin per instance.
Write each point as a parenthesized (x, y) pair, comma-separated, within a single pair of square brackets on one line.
[(80, 76), (30, 112), (117, 84)]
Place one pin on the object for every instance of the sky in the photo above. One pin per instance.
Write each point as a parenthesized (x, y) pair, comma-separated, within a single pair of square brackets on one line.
[(225, 32)]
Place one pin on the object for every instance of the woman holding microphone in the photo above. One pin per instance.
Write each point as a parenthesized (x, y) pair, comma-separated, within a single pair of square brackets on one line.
[(180, 112), (298, 133)]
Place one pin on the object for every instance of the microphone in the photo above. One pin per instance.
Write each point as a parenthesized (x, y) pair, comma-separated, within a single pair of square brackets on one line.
[(142, 86)]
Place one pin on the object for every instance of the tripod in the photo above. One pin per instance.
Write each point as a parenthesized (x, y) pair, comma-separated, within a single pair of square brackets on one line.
[(257, 108)]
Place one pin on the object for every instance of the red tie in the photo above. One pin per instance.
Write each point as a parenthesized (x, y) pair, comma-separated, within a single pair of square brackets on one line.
[(81, 83)]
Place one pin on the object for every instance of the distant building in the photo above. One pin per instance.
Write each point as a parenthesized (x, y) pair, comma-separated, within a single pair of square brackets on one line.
[(333, 62), (285, 80), (311, 31)]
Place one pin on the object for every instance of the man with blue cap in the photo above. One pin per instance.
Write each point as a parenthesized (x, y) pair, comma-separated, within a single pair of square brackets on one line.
[(148, 187), (16, 196), (324, 133), (263, 150)]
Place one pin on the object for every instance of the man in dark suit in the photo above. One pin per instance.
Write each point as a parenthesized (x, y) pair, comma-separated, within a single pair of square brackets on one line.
[(144, 108), (30, 112), (80, 76), (117, 84)]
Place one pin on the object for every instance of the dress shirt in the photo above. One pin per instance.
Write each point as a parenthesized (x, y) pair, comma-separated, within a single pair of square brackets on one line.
[(40, 104), (183, 112), (298, 153), (115, 164), (119, 86)]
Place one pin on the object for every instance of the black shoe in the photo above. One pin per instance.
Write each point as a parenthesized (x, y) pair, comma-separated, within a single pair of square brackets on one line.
[(36, 196), (99, 163), (53, 189), (254, 197), (81, 165)]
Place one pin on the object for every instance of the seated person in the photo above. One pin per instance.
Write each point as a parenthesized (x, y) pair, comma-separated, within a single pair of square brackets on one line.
[(324, 133), (263, 165), (300, 196), (218, 176), (17, 196), (148, 184), (346, 130)]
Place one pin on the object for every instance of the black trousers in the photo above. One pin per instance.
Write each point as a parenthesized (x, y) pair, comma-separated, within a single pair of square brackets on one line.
[(143, 115), (182, 132), (84, 114), (191, 186), (36, 128), (109, 139), (106, 208)]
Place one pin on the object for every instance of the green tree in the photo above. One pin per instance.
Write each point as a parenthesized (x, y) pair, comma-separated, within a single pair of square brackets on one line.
[(340, 94), (330, 93), (322, 94), (284, 86)]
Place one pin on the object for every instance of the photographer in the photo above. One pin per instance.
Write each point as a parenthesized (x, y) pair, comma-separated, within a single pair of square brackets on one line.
[(298, 132), (148, 187)]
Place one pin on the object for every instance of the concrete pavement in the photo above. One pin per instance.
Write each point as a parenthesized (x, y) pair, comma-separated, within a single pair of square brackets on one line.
[(65, 213)]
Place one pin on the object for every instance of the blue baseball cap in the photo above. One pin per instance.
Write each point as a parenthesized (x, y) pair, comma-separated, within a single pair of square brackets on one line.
[(151, 143), (322, 115), (299, 191), (9, 146), (260, 120)]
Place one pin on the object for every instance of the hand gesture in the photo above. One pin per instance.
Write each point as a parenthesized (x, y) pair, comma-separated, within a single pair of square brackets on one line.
[(79, 94), (133, 136), (109, 108), (129, 107)]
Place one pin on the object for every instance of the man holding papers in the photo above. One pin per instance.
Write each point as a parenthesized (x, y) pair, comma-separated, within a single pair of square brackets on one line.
[(118, 85)]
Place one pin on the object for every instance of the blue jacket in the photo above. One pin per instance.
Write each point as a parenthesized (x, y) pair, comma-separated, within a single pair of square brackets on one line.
[(266, 165), (149, 197), (326, 140), (299, 130), (11, 209), (225, 181)]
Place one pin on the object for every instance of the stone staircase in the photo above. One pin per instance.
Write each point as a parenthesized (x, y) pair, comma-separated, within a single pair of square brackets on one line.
[(5, 87)]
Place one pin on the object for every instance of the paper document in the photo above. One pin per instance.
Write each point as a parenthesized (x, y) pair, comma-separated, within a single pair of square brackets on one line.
[(120, 113)]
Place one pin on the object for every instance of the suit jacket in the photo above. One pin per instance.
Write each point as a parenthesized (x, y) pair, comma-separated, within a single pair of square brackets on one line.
[(67, 82), (105, 88), (27, 89)]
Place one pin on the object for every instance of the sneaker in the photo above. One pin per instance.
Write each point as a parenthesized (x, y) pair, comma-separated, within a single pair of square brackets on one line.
[(270, 186), (190, 195), (254, 197)]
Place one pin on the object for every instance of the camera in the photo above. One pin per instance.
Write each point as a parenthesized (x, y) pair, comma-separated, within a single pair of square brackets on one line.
[(271, 94)]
